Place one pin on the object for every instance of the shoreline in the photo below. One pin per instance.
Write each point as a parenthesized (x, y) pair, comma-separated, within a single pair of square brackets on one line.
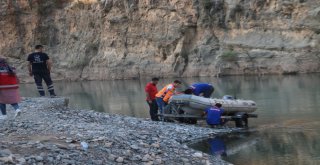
[(49, 132), (30, 80)]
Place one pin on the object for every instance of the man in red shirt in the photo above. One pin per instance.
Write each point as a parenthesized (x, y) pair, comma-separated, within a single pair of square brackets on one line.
[(151, 91)]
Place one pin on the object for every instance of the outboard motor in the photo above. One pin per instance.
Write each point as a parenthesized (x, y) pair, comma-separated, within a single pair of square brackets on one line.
[(228, 97)]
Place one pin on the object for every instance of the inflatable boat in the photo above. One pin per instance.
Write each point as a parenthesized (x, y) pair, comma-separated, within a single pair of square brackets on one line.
[(191, 106), (195, 105)]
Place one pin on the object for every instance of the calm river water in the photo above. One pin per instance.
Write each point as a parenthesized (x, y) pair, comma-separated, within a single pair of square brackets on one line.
[(286, 131)]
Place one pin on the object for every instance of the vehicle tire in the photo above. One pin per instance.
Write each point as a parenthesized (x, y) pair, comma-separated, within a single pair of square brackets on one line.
[(238, 122), (180, 119), (186, 120), (169, 109), (241, 120), (191, 121)]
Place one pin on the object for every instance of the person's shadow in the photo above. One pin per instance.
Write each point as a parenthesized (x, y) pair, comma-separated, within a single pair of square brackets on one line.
[(217, 147)]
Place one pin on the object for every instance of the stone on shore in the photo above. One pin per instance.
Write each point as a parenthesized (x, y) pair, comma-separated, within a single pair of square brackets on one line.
[(48, 132)]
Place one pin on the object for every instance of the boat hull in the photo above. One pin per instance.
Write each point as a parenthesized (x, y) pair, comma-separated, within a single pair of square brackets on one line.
[(195, 105)]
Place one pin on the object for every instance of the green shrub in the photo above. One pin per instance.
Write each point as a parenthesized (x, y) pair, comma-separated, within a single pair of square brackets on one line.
[(229, 55), (207, 4)]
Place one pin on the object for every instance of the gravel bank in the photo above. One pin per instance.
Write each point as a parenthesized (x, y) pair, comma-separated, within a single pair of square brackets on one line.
[(48, 132)]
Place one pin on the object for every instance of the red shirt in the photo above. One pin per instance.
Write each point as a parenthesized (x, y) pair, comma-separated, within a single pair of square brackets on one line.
[(152, 90)]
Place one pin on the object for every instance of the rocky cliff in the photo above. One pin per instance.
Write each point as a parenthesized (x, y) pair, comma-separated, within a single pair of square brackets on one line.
[(115, 39)]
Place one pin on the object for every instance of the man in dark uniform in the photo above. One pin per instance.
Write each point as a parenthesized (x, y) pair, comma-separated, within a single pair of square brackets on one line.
[(214, 114), (202, 89), (40, 68)]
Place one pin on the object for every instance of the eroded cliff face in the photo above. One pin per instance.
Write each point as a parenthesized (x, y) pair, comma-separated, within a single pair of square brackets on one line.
[(116, 39)]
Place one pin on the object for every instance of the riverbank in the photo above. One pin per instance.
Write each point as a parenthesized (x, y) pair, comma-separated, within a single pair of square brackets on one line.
[(48, 132)]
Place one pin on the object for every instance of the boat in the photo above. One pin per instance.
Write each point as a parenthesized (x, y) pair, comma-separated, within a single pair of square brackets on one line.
[(191, 106)]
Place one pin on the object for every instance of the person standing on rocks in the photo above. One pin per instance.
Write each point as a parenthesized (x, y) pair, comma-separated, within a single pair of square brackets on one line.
[(151, 91), (40, 68), (163, 96), (9, 92)]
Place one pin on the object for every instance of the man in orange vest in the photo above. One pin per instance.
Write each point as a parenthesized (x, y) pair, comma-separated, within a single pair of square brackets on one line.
[(163, 96)]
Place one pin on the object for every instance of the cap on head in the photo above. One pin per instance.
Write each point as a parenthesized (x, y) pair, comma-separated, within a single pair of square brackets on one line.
[(38, 47), (218, 105), (155, 79), (177, 82)]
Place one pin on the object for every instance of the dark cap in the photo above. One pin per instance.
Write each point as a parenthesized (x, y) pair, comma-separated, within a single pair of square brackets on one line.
[(218, 105), (38, 46), (177, 82), (155, 79)]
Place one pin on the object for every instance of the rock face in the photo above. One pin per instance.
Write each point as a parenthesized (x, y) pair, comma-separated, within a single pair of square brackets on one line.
[(116, 39)]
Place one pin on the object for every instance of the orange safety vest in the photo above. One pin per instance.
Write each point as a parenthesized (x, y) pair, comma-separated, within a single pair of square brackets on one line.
[(165, 94), (168, 96)]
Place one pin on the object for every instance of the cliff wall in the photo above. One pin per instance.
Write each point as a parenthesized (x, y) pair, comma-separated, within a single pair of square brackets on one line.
[(116, 39)]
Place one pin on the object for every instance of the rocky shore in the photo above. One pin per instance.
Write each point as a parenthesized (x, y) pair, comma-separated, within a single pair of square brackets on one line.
[(49, 132)]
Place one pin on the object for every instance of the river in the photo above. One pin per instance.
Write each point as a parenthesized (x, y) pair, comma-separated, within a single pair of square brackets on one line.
[(286, 131)]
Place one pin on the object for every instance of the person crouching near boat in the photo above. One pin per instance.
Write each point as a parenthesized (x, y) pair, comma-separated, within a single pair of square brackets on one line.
[(9, 92), (214, 114)]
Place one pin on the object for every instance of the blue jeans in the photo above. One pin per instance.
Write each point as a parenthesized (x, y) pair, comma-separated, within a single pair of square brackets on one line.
[(3, 108), (161, 104)]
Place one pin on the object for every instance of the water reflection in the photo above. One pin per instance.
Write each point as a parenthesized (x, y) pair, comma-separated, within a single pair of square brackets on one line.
[(217, 146), (274, 146), (226, 145), (281, 146)]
